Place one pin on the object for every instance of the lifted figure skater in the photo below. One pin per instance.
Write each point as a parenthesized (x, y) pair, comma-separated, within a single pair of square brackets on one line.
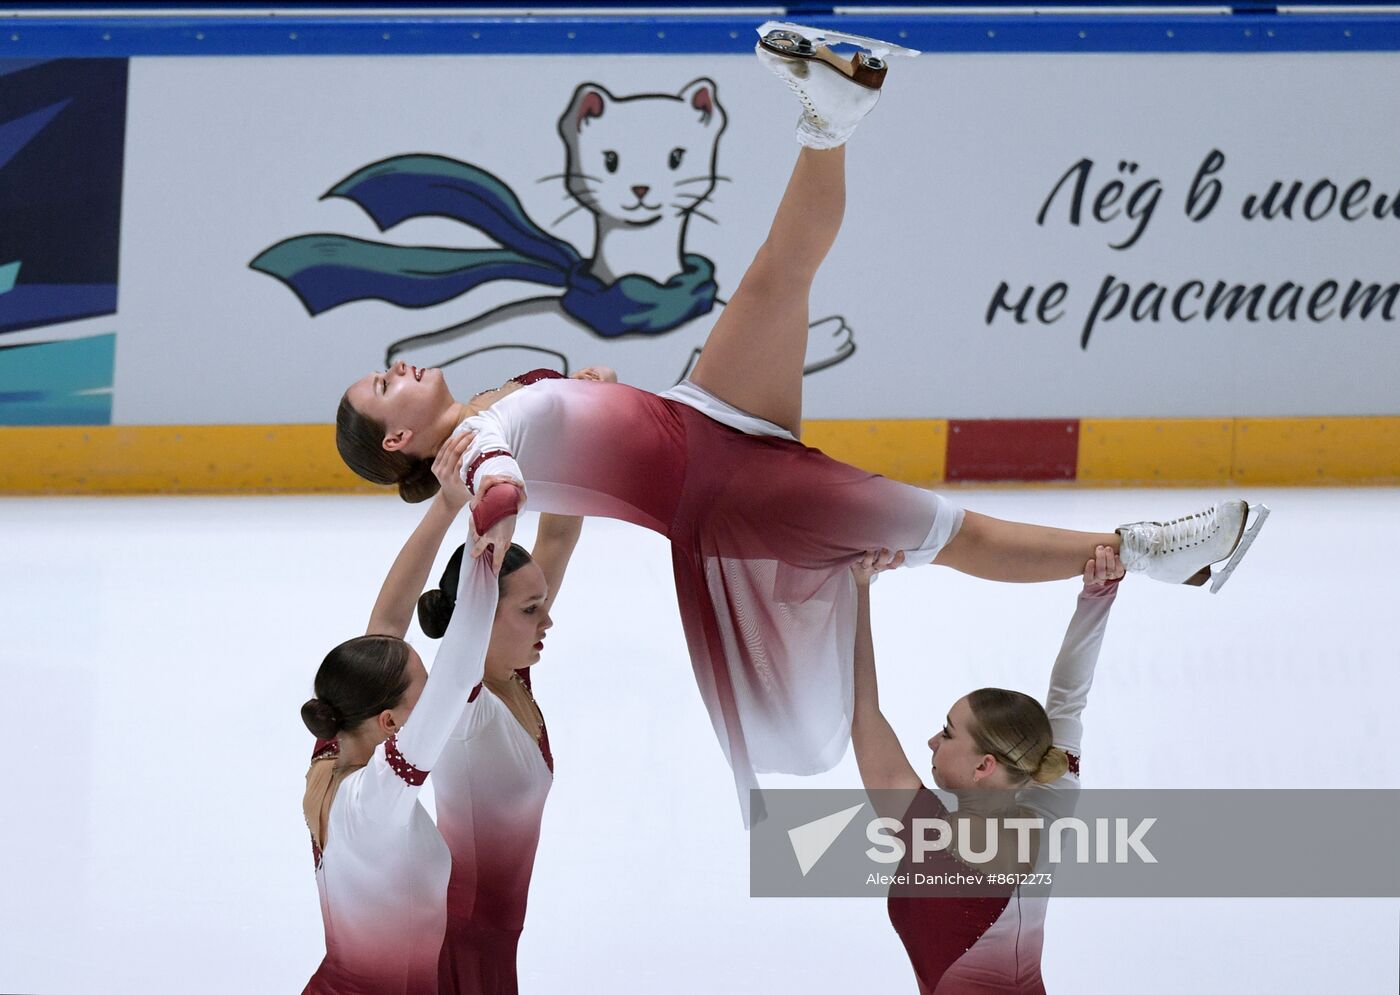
[(763, 529)]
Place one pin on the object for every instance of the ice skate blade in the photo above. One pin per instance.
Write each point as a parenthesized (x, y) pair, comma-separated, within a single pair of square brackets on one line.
[(1261, 515), (823, 36), (861, 69)]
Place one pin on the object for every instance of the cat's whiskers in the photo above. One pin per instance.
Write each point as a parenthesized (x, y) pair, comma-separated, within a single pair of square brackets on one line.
[(564, 176), (702, 179), (691, 210), (699, 197), (573, 210), (569, 195)]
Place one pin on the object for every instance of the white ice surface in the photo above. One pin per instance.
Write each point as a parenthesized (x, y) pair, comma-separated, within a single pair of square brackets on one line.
[(156, 652)]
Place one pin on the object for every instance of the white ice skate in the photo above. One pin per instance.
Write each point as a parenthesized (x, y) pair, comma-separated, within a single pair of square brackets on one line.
[(836, 92), (1182, 550)]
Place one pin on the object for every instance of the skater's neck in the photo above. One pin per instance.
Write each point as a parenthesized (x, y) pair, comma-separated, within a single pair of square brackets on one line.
[(984, 801), (357, 746), (652, 250), (446, 424)]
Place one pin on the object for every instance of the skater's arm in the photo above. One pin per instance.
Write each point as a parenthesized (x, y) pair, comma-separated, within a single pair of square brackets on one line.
[(393, 610), (554, 547), (1073, 673), (879, 756), (400, 765), (488, 467), (490, 461)]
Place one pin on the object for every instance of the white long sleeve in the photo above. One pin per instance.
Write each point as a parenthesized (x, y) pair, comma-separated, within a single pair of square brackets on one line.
[(498, 437), (1073, 673), (1070, 680), (390, 784)]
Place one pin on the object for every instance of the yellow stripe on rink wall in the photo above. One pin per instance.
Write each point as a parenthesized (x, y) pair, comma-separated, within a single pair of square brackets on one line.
[(173, 459), (223, 459), (1155, 451), (1317, 450), (912, 450), (1331, 450)]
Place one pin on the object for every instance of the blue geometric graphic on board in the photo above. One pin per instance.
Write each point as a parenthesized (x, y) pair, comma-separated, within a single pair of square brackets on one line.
[(15, 65), (62, 142), (16, 134), (58, 383)]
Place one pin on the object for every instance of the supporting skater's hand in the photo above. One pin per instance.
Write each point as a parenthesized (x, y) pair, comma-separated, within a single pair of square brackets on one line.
[(496, 541), (447, 467), (875, 561), (494, 479), (1103, 572), (600, 373)]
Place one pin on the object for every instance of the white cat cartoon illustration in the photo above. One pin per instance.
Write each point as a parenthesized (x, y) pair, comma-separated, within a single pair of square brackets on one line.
[(641, 165)]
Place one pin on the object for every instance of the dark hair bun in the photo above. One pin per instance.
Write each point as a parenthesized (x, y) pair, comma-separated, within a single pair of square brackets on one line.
[(321, 718), (434, 612), (419, 484)]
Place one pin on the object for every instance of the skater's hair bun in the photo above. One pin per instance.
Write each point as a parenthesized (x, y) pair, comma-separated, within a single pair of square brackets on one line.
[(321, 718), (419, 483), (1052, 766), (360, 441), (1014, 728), (435, 606), (356, 681)]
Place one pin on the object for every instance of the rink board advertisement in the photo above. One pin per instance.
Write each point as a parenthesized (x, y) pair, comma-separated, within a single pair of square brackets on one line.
[(1027, 235), (1145, 260)]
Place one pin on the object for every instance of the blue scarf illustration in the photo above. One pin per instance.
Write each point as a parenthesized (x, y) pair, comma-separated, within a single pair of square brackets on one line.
[(326, 270)]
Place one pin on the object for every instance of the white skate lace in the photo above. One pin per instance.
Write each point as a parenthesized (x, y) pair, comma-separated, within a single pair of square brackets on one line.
[(812, 114), (1183, 533), (1143, 542)]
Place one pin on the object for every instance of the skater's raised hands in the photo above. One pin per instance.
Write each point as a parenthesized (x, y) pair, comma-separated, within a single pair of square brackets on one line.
[(875, 561), (1103, 572), (447, 468), (498, 498), (602, 374)]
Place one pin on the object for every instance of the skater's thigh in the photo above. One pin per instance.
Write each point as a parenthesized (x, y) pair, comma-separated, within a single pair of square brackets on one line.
[(754, 355), (853, 511)]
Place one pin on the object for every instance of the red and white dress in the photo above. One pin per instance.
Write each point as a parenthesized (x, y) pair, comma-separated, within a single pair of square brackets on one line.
[(763, 532), (382, 868), (491, 784), (971, 946)]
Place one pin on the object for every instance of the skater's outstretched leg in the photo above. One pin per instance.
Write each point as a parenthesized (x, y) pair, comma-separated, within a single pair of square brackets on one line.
[(753, 358), (755, 353), (1179, 551), (1011, 551)]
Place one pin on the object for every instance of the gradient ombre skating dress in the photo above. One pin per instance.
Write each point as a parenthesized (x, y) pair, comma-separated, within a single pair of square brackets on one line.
[(491, 784), (382, 868), (992, 944), (763, 533)]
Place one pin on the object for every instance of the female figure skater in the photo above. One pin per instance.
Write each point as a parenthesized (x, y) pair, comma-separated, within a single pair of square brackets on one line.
[(382, 723), (1002, 754), (763, 530), (493, 777)]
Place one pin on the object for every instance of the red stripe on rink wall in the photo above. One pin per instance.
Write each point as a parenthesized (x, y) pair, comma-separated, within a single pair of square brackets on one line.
[(1012, 449)]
